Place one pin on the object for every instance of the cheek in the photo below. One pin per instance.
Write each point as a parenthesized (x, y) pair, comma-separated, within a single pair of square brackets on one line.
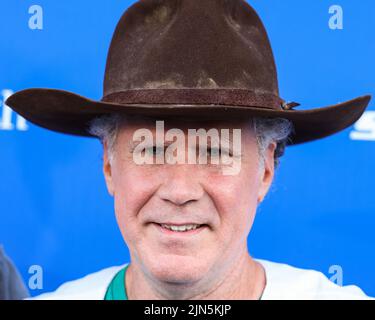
[(132, 187), (236, 204), (121, 204), (122, 198)]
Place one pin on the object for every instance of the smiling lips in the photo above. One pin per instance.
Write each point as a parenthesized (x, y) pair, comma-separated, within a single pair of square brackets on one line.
[(188, 228)]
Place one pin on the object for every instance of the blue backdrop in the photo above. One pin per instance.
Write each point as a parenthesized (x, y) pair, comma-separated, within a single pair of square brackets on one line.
[(54, 208)]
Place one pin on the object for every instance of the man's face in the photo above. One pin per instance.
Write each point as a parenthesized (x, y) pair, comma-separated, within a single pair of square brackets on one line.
[(150, 199)]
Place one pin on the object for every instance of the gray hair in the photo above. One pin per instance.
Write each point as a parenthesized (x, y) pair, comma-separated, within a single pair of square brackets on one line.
[(267, 130), (105, 128), (270, 130)]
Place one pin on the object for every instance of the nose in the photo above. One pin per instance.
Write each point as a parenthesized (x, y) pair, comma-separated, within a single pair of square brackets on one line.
[(181, 185)]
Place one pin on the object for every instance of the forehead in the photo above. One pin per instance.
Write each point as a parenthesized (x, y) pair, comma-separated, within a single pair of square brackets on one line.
[(130, 123)]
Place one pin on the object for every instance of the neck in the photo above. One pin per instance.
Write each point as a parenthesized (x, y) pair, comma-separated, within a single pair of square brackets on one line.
[(243, 279)]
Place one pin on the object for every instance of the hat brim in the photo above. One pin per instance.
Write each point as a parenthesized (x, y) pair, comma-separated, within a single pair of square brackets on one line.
[(69, 113)]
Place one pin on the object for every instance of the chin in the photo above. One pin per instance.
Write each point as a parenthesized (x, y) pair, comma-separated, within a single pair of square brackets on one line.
[(178, 269)]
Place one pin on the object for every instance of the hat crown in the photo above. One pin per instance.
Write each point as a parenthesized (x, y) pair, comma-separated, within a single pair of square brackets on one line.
[(207, 44)]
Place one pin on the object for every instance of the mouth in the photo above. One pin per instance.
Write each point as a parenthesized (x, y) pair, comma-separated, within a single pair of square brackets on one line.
[(180, 229)]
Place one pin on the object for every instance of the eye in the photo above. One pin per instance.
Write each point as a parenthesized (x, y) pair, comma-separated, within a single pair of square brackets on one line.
[(214, 151), (154, 150), (217, 152)]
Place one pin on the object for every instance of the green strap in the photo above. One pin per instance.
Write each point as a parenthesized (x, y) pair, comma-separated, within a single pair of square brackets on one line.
[(116, 289)]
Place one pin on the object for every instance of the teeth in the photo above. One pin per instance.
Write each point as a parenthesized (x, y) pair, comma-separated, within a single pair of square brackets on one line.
[(183, 228)]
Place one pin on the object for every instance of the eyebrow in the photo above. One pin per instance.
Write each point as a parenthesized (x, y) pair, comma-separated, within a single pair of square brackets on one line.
[(133, 144)]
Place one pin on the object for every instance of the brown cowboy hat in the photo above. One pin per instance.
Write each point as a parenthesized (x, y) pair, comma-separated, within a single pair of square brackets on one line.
[(209, 58)]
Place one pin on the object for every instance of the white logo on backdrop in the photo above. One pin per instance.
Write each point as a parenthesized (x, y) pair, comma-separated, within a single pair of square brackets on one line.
[(337, 274), (36, 277), (364, 128), (36, 20), (7, 120), (336, 21)]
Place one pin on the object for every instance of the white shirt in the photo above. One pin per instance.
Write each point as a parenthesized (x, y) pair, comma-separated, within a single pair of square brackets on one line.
[(283, 282)]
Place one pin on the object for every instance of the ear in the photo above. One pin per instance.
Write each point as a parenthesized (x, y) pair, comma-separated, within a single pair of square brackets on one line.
[(267, 174), (107, 170)]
